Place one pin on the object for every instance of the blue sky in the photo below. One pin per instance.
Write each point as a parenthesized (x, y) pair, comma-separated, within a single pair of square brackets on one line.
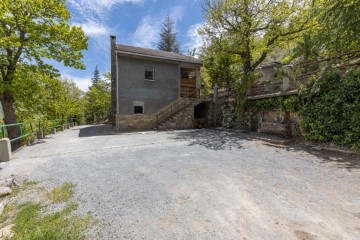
[(134, 22)]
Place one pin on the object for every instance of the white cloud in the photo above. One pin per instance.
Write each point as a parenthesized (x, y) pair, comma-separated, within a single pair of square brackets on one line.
[(194, 38), (92, 28), (89, 7), (177, 12), (82, 83), (147, 32)]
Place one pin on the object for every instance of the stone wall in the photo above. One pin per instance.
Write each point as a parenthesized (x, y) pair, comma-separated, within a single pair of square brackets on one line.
[(274, 122), (136, 122), (181, 120)]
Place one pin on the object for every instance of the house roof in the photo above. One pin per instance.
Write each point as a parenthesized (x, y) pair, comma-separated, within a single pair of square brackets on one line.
[(146, 52)]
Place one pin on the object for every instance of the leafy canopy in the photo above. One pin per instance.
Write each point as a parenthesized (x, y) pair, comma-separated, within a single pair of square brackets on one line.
[(252, 29), (336, 30), (248, 31), (33, 30)]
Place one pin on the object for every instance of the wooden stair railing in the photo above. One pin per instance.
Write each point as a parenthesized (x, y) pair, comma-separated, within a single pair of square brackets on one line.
[(177, 106)]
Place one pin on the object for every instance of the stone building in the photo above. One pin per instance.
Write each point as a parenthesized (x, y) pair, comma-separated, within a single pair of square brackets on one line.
[(147, 84)]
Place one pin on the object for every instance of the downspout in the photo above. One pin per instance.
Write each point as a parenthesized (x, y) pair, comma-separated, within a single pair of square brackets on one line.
[(117, 88), (114, 81)]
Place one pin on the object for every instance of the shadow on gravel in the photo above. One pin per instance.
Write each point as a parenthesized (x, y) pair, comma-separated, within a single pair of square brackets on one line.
[(213, 139), (91, 131), (225, 139), (341, 160)]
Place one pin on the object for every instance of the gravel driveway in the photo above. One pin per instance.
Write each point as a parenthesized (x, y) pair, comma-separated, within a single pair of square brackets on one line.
[(198, 184)]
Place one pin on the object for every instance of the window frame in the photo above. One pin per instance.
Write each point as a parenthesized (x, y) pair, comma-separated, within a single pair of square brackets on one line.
[(138, 104), (147, 69)]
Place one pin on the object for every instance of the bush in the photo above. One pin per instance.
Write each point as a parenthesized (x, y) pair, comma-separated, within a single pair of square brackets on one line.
[(330, 108), (228, 116)]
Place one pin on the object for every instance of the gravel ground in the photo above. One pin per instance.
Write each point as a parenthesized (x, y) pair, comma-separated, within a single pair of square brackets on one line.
[(198, 184)]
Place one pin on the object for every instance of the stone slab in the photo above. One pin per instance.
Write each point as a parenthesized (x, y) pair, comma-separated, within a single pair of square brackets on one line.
[(5, 150)]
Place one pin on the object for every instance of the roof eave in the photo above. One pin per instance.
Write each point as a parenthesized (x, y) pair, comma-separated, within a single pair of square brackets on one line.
[(157, 57)]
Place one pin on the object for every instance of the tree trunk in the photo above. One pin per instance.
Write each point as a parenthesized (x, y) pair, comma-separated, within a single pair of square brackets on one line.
[(7, 102), (246, 81)]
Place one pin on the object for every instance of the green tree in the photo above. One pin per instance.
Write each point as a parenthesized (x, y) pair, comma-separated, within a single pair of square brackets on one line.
[(337, 30), (31, 31), (220, 68), (98, 100), (168, 41), (36, 93), (96, 78), (250, 30), (44, 96), (70, 102)]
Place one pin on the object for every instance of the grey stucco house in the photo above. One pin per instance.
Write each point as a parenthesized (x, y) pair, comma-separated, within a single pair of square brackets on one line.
[(147, 81)]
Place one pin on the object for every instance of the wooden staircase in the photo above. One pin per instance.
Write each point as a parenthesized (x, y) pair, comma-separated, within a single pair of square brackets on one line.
[(179, 115)]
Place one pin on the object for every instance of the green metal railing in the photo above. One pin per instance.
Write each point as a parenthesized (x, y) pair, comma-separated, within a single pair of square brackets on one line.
[(30, 129), (23, 127)]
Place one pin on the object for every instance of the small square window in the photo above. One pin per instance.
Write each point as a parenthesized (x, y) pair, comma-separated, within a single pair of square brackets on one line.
[(149, 73), (138, 109)]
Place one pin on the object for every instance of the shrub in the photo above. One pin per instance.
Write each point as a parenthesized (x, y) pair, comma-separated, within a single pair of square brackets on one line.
[(330, 108)]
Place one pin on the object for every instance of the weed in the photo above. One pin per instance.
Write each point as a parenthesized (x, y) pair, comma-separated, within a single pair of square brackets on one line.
[(62, 193)]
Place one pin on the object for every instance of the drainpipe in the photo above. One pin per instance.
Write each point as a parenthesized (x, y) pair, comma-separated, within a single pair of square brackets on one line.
[(114, 80)]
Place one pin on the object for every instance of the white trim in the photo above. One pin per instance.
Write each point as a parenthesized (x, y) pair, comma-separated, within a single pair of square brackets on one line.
[(147, 69)]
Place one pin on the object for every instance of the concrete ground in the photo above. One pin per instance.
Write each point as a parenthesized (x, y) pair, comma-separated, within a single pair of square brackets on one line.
[(198, 184)]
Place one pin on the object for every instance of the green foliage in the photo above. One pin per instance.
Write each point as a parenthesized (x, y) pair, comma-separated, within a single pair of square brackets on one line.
[(219, 68), (330, 109), (98, 100), (191, 53), (336, 30), (228, 116), (168, 41), (250, 30), (285, 104), (35, 30), (31, 31), (40, 97)]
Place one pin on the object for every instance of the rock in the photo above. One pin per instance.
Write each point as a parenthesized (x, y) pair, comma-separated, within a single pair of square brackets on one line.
[(5, 191), (12, 183), (1, 208), (318, 148), (5, 232)]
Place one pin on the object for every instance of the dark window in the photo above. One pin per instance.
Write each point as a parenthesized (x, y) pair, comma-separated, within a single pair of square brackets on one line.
[(138, 109), (149, 73)]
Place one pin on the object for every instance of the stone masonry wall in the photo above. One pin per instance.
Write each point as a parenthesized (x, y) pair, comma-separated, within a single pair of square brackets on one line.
[(136, 122), (181, 120)]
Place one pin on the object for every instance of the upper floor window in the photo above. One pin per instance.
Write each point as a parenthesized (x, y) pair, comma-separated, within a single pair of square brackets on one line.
[(149, 73)]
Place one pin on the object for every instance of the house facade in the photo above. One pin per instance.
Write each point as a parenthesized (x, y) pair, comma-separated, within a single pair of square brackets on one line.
[(147, 81)]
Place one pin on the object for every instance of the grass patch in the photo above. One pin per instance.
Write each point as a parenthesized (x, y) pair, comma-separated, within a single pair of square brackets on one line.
[(9, 211), (62, 193), (31, 224), (37, 220)]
